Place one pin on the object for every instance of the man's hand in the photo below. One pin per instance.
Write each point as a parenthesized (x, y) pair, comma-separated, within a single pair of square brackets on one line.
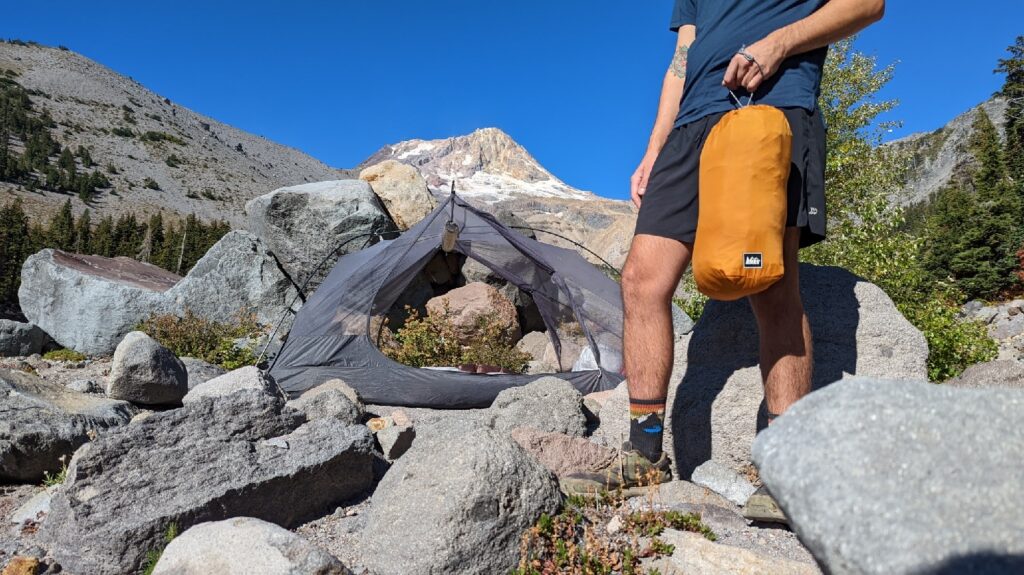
[(638, 183), (768, 52)]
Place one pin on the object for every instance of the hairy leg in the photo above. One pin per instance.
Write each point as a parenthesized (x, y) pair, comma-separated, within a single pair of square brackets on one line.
[(785, 334), (649, 278)]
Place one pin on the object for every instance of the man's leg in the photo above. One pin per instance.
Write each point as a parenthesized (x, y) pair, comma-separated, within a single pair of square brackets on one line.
[(651, 274), (785, 334)]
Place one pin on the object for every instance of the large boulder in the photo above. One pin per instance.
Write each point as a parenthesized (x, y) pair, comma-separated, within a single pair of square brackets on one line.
[(547, 404), (901, 477), (402, 190), (146, 373), (468, 303), (17, 338), (456, 504), (716, 390), (41, 422), (244, 546), (237, 275), (245, 454), (302, 225), (88, 303)]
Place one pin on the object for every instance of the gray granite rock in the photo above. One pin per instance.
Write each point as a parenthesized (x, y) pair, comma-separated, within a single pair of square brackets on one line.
[(35, 509), (244, 546), (241, 455), (41, 422), (328, 401), (303, 224), (901, 477), (17, 338), (1000, 373), (249, 377), (547, 404), (1006, 327), (146, 373), (200, 371), (395, 440), (85, 386), (723, 481), (88, 303), (456, 505), (236, 275)]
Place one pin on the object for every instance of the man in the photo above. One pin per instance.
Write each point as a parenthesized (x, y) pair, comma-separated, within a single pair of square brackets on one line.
[(772, 50)]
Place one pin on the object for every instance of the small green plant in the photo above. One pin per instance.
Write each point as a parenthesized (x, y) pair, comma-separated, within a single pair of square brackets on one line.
[(193, 336), (153, 555), (63, 354), (52, 479), (173, 161), (578, 541), (123, 132), (424, 341), (151, 184)]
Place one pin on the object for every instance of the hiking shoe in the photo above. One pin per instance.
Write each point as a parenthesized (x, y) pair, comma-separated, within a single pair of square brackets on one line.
[(761, 506), (630, 474)]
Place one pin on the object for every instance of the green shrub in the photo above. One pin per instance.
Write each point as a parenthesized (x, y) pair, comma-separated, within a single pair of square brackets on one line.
[(210, 341), (151, 184), (63, 354), (123, 132), (156, 137), (173, 161), (494, 347), (432, 340), (953, 343)]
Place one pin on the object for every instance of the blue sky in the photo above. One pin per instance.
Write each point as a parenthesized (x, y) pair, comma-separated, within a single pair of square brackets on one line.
[(576, 82)]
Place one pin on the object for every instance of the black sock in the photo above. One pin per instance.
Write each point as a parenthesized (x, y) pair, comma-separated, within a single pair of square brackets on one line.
[(645, 433)]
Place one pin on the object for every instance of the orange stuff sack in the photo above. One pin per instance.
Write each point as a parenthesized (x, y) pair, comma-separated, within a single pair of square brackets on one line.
[(741, 220)]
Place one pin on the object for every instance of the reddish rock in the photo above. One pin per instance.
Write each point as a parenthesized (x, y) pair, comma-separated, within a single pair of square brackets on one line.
[(562, 454), (467, 303)]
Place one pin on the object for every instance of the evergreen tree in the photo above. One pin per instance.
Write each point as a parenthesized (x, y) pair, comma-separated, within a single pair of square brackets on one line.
[(973, 237), (1013, 91), (83, 234), (15, 247), (103, 238), (154, 239), (61, 232), (68, 169)]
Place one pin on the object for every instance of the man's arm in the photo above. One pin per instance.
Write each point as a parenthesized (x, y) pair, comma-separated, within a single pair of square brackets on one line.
[(836, 20), (668, 109)]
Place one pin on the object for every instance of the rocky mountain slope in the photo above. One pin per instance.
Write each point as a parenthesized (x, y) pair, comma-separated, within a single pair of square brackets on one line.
[(494, 172), (200, 165), (942, 156)]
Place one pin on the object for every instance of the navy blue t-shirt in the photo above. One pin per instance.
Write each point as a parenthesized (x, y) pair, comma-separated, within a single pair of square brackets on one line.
[(723, 26)]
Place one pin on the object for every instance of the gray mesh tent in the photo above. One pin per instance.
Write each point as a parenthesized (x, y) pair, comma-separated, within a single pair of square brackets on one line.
[(333, 333)]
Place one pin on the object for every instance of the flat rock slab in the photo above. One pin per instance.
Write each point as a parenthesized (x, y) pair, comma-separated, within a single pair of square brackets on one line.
[(901, 477), (40, 422), (999, 373), (563, 454), (245, 454), (244, 546), (695, 555)]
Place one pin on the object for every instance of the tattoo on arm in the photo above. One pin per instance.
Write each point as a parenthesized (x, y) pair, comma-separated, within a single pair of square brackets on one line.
[(678, 66)]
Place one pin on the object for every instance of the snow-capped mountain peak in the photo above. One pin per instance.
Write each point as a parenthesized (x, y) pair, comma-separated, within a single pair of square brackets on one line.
[(487, 165)]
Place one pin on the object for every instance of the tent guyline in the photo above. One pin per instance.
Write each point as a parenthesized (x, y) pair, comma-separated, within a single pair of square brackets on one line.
[(332, 335)]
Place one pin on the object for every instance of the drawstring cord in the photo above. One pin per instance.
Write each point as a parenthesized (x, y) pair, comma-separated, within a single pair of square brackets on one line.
[(749, 58)]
